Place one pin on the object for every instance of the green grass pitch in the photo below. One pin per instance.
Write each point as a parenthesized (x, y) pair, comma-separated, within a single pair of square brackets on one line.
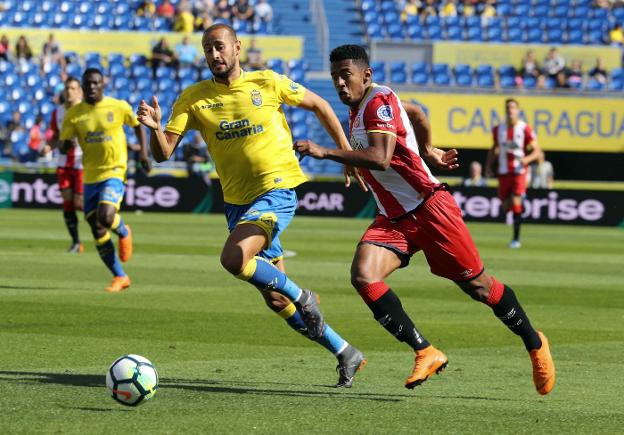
[(228, 365)]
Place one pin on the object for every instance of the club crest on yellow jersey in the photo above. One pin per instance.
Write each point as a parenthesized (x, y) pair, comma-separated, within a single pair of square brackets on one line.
[(110, 116), (256, 97)]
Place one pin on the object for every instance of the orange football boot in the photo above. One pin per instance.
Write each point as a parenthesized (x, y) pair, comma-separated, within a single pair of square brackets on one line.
[(429, 361), (125, 246), (543, 367), (119, 284)]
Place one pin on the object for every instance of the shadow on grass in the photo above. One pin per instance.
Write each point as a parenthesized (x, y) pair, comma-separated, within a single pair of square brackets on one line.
[(30, 287), (227, 387)]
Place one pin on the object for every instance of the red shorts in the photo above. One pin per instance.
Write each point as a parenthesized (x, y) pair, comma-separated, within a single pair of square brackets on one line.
[(438, 229), (70, 178), (511, 185)]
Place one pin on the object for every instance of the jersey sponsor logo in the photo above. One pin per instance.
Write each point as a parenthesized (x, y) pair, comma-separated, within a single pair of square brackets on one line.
[(256, 97), (211, 106), (97, 137), (110, 116), (385, 113), (237, 129), (294, 87)]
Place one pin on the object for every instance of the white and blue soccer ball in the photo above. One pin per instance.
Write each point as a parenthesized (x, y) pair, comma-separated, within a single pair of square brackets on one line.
[(132, 380)]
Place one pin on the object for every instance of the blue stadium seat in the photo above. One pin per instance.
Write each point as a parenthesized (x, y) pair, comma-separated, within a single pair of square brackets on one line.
[(185, 83), (374, 31), (454, 33), (616, 85), (415, 32), (442, 80), (121, 22), (495, 34), (555, 23), (595, 37), (17, 94), (597, 24), (617, 74), (575, 37), (116, 70), (533, 35), (369, 6), (594, 85), (420, 67), (471, 21), (395, 31), (554, 36), (474, 34), (434, 32), (391, 17), (522, 9), (276, 65), (540, 11), (10, 79), (163, 72), (165, 84), (507, 71), (420, 78), (388, 6), (439, 69), (512, 22), (6, 67), (120, 83), (484, 69), (451, 21), (508, 82), (600, 13), (74, 69), (462, 69), (463, 80), (379, 71), (581, 11), (137, 59), (514, 34), (575, 23), (398, 73), (205, 74), (485, 81), (186, 72)]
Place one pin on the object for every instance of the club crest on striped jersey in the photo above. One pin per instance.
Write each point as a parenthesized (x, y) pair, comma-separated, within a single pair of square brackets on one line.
[(256, 97), (385, 113)]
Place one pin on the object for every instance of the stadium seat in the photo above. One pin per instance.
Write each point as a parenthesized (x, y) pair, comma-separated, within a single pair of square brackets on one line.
[(533, 35), (594, 85), (415, 32), (595, 37), (508, 82), (554, 36), (514, 35), (442, 80), (398, 73), (575, 37), (395, 31), (454, 33), (494, 34), (474, 34), (434, 32), (276, 65)]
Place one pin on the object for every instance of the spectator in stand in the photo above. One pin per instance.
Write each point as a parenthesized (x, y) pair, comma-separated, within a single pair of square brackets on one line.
[(599, 73), (184, 18), (448, 9), (5, 139), (203, 21), (469, 8), (223, 11), (553, 64), (22, 49), (166, 9), (530, 67), (410, 9), (616, 36), (243, 12), (186, 53), (575, 74), (263, 12), (475, 178), (51, 54), (489, 10), (195, 153), (429, 9), (147, 9), (18, 139), (4, 48), (36, 139), (202, 6), (254, 61), (162, 55), (541, 173), (602, 4), (561, 80)]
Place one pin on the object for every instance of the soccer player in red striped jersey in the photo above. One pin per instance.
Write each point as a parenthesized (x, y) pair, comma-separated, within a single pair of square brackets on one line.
[(515, 147), (69, 165), (416, 212)]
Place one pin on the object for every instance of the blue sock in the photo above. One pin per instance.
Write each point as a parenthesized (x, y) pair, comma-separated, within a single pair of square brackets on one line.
[(263, 274), (119, 227), (330, 339), (106, 249)]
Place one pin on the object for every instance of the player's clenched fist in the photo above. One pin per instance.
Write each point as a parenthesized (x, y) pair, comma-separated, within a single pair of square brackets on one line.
[(308, 148), (149, 116)]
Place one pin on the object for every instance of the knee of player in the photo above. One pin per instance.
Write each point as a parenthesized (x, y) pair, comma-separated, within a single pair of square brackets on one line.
[(232, 262), (105, 218), (476, 289), (359, 279)]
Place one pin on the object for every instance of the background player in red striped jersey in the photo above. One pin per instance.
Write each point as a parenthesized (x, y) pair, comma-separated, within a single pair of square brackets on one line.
[(515, 147), (416, 213), (69, 165)]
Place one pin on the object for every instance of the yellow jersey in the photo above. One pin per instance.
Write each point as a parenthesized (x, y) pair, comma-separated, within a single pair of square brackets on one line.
[(245, 129), (99, 130)]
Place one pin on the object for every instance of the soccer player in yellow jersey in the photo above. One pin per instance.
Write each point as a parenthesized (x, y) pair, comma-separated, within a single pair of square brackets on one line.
[(98, 123), (240, 118)]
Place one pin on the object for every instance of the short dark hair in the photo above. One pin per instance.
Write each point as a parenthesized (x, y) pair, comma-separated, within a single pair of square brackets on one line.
[(92, 71), (219, 26), (72, 79), (511, 100), (356, 53)]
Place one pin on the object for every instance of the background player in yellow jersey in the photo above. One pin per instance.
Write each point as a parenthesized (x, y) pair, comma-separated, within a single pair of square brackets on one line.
[(240, 118), (97, 123)]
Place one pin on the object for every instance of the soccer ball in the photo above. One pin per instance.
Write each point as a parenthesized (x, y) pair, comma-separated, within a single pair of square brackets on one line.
[(132, 380)]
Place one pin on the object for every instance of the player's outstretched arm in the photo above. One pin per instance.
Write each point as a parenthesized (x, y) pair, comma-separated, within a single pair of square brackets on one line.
[(328, 119), (439, 159), (376, 156), (162, 143)]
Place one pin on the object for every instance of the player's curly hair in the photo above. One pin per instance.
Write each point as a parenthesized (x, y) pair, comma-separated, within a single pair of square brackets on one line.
[(89, 71), (356, 53)]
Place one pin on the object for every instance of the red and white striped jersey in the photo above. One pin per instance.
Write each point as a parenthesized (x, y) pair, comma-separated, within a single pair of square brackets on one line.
[(73, 158), (407, 182), (512, 142)]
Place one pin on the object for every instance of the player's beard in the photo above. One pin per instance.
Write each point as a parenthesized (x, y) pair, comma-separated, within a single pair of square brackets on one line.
[(225, 73)]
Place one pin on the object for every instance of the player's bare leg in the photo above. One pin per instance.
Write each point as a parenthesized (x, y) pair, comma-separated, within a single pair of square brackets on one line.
[(71, 219), (371, 266), (502, 299), (100, 221), (239, 257)]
